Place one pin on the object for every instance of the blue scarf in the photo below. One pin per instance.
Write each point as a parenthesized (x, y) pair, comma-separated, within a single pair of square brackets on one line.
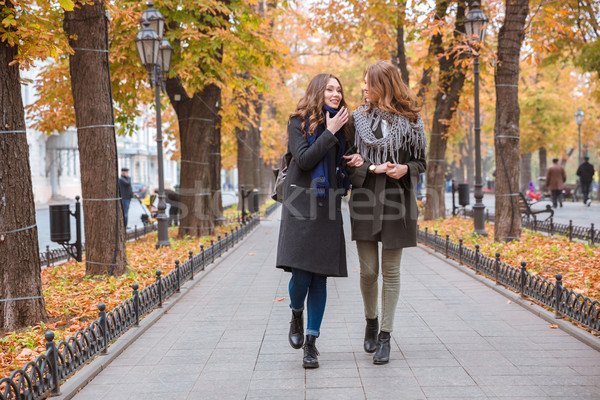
[(320, 173)]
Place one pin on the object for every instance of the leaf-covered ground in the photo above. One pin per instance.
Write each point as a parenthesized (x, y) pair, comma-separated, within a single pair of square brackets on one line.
[(72, 298), (546, 256)]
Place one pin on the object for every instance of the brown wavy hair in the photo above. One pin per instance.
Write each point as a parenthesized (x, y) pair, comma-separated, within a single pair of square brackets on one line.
[(388, 92), (311, 104)]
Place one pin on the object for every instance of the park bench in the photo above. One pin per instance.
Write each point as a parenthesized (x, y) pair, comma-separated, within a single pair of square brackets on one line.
[(527, 212)]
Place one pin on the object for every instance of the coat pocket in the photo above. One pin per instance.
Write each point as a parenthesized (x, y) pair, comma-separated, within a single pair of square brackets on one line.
[(300, 202)]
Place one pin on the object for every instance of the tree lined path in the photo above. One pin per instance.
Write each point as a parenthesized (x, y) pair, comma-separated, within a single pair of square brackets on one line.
[(455, 338)]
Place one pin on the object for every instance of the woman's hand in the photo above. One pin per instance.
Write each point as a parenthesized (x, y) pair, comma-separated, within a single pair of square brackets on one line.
[(335, 124), (355, 160), (396, 171)]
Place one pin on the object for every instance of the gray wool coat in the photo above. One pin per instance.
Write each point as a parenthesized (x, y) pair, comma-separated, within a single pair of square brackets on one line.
[(311, 236), (384, 209)]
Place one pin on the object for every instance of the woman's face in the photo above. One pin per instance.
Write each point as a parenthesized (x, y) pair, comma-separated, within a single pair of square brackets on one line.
[(366, 89), (333, 93)]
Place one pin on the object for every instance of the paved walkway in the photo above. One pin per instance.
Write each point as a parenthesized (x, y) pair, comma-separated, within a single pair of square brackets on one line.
[(454, 338)]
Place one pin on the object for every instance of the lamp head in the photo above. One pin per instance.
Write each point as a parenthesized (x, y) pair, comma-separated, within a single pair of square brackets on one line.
[(155, 18), (579, 116), (147, 44), (476, 23)]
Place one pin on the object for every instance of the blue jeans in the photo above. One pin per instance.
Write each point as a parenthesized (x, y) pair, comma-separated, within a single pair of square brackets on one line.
[(303, 284), (125, 203)]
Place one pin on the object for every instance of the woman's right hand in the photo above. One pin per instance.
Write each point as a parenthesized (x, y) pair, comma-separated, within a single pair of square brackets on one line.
[(335, 124)]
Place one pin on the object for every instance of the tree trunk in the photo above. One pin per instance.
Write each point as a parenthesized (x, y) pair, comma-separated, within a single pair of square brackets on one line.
[(19, 253), (452, 78), (460, 170), (90, 84), (435, 48), (400, 59), (248, 147), (543, 160), (200, 139), (525, 172), (507, 224)]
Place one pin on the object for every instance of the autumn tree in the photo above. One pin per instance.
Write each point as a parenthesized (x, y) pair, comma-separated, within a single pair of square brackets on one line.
[(25, 35), (87, 27), (374, 29), (507, 224), (451, 80)]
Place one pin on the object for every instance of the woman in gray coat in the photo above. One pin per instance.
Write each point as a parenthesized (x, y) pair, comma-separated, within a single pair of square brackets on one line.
[(311, 238), (391, 143)]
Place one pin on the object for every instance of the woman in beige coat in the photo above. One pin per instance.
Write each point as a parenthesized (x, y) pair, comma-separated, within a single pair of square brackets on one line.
[(390, 143)]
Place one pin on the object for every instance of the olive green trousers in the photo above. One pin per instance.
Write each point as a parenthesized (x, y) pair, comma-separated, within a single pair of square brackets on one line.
[(368, 254)]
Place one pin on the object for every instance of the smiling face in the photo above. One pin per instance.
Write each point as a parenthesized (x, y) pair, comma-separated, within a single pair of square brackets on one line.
[(333, 94), (366, 88)]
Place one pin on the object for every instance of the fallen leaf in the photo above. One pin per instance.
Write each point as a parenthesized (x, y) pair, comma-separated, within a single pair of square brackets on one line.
[(251, 254), (554, 326), (283, 298), (508, 302)]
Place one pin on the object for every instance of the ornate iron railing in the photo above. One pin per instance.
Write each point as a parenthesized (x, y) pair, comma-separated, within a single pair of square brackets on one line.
[(589, 234), (40, 378), (50, 257), (565, 302)]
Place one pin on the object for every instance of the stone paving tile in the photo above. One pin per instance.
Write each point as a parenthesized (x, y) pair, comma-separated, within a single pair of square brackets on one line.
[(442, 376), (336, 394), (275, 394), (454, 392), (454, 339)]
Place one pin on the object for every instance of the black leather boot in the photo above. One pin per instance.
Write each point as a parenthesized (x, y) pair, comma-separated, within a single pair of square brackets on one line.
[(296, 335), (382, 354), (371, 335), (310, 353)]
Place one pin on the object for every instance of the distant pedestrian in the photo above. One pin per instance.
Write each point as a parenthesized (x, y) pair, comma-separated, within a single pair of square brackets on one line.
[(585, 172), (174, 201), (311, 238), (555, 181), (125, 192)]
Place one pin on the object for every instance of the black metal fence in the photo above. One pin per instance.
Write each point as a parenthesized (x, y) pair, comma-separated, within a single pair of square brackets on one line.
[(564, 301), (589, 234), (40, 378), (51, 257)]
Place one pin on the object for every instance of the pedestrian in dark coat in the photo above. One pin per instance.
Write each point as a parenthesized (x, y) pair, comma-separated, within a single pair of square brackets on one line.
[(555, 181), (391, 143), (585, 172), (311, 238), (125, 192)]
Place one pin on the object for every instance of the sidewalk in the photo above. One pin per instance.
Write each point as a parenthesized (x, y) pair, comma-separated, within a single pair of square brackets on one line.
[(454, 338)]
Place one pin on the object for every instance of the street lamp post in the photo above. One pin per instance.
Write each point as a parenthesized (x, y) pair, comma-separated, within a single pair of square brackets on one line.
[(155, 54), (579, 120), (475, 26)]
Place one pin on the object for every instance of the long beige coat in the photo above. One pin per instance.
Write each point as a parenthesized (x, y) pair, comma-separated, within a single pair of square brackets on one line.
[(384, 209)]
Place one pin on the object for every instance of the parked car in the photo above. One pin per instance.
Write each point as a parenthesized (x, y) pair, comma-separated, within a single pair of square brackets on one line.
[(139, 189)]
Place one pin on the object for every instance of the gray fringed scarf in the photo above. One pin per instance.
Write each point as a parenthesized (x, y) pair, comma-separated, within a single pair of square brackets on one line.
[(399, 134)]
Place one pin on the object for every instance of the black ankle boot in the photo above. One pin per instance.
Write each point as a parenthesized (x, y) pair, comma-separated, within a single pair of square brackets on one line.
[(310, 353), (371, 335), (296, 335), (382, 354)]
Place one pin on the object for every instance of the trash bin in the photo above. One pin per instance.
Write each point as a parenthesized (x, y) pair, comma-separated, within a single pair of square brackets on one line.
[(60, 223), (253, 201), (463, 194)]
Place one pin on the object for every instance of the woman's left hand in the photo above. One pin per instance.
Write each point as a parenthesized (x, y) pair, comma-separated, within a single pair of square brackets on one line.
[(396, 171), (354, 160)]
